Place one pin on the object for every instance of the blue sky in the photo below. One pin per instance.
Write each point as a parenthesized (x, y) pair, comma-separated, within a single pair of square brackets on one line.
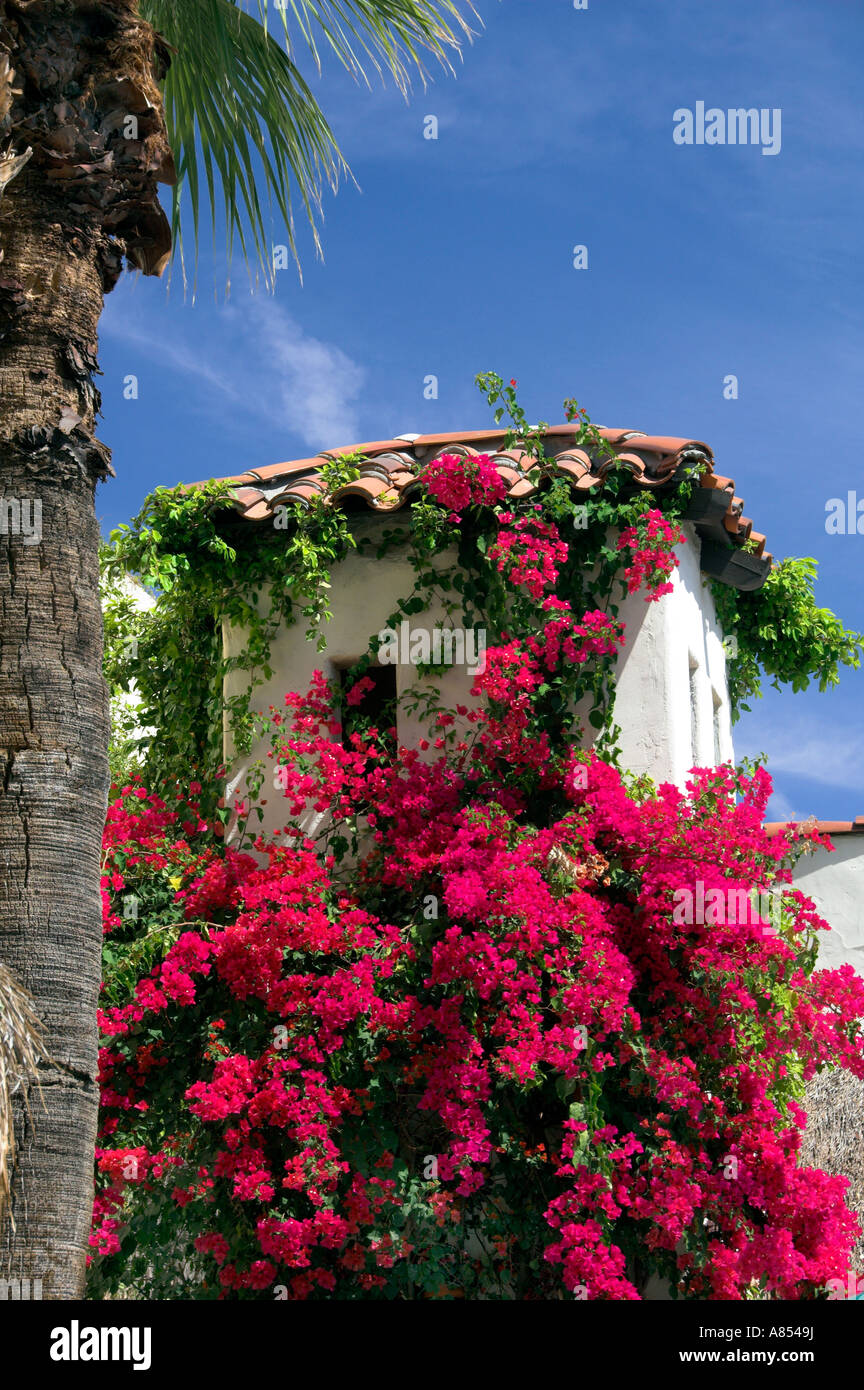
[(455, 256)]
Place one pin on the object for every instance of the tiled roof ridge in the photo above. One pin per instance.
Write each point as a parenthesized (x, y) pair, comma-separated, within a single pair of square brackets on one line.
[(389, 477), (824, 827)]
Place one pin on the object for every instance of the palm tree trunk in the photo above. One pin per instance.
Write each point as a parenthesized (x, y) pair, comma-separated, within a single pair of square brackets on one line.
[(82, 97)]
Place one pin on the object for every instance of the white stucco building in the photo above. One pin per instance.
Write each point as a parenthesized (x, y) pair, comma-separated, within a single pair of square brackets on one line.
[(672, 699), (835, 882), (671, 702)]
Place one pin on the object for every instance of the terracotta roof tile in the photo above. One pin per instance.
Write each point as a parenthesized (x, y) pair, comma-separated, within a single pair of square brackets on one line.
[(390, 477), (825, 827)]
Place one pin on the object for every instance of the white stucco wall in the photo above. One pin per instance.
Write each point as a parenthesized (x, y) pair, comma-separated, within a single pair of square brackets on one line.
[(672, 701), (835, 882), (671, 672), (363, 596)]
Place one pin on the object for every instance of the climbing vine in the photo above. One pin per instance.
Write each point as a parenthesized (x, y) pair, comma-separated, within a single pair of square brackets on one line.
[(782, 633), (208, 567)]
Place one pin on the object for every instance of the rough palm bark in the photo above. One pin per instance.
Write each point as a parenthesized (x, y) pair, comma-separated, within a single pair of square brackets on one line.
[(77, 90)]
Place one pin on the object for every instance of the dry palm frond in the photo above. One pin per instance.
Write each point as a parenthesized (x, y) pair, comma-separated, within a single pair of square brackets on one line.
[(21, 1049), (834, 1137), (591, 868)]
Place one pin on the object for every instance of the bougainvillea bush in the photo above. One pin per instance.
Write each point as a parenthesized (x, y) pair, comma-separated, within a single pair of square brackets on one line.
[(463, 1044)]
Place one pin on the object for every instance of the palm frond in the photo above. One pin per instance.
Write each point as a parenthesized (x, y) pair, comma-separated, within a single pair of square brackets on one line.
[(244, 125), (388, 35)]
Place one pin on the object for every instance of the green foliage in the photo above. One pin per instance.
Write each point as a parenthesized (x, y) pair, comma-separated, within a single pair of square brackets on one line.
[(256, 583), (208, 568), (782, 633)]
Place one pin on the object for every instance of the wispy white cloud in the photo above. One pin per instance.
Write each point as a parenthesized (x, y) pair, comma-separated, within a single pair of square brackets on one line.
[(833, 756), (316, 384), (831, 759), (263, 364), (183, 356)]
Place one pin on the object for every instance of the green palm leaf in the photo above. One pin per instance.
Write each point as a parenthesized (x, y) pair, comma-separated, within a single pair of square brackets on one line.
[(243, 123)]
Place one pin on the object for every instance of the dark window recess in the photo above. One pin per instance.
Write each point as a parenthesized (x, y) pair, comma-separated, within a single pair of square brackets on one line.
[(377, 709), (694, 712), (718, 703)]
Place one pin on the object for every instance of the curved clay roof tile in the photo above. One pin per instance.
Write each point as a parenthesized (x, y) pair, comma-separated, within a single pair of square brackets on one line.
[(394, 468)]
